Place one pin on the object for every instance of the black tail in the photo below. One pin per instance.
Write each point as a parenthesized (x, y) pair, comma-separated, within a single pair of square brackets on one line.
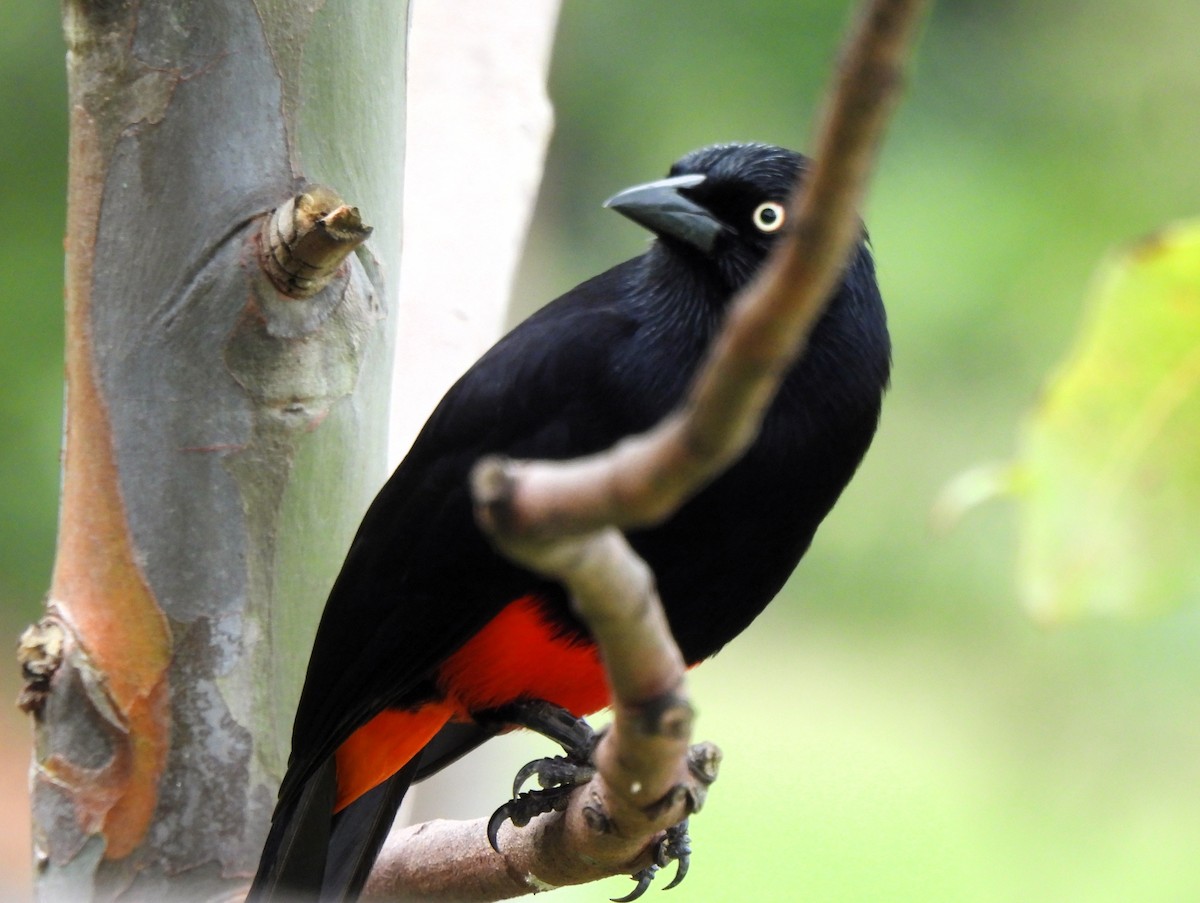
[(358, 832), (312, 854)]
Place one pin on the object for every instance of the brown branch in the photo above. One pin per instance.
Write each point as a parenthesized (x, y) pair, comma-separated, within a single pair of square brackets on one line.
[(562, 519), (303, 241)]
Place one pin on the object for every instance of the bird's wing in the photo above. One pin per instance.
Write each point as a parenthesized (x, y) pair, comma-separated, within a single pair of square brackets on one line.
[(420, 578)]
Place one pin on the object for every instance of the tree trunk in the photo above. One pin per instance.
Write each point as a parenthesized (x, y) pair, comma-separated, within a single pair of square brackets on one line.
[(222, 436)]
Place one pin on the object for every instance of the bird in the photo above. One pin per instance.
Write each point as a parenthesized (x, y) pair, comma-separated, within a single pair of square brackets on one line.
[(431, 641)]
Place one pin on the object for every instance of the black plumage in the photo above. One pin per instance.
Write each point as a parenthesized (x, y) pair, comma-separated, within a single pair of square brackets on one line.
[(609, 358)]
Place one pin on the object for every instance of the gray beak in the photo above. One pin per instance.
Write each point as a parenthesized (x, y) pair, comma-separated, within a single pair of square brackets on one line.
[(659, 207)]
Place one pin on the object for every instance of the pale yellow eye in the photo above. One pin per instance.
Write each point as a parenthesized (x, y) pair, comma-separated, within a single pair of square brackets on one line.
[(769, 216)]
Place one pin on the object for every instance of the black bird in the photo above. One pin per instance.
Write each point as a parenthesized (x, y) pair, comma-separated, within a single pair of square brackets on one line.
[(431, 642)]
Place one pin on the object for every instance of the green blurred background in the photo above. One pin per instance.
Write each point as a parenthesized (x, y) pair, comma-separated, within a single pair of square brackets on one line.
[(895, 728)]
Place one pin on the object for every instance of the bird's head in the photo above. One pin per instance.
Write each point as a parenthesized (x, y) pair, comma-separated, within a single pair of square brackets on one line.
[(723, 205)]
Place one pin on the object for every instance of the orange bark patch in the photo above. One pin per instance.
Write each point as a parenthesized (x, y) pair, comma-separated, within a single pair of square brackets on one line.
[(98, 588)]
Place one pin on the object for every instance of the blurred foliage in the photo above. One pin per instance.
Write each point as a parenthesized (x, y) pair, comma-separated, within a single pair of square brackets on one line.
[(33, 159), (1108, 474), (895, 728)]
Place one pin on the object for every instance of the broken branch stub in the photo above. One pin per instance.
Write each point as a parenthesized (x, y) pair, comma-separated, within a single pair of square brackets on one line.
[(39, 653), (303, 241)]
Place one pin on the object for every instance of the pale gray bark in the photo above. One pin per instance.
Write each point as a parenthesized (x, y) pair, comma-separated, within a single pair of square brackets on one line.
[(222, 439)]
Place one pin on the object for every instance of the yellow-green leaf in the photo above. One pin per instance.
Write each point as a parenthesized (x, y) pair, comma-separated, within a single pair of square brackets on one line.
[(1110, 458)]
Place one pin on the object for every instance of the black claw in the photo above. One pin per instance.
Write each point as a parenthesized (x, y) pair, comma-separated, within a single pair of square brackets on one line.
[(525, 807), (528, 770), (678, 846), (558, 771), (643, 879), (681, 871), (675, 845), (499, 817)]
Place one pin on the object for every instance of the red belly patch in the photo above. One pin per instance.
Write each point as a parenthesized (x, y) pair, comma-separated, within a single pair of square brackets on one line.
[(519, 654)]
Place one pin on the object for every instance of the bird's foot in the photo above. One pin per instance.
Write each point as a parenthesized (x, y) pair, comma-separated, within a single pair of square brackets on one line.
[(673, 846), (556, 775)]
